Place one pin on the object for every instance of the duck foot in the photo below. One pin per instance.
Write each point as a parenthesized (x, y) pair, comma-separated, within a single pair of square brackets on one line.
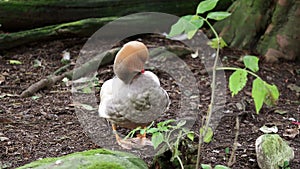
[(134, 143)]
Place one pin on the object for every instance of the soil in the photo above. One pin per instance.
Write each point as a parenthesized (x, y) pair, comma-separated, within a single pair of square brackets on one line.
[(46, 125)]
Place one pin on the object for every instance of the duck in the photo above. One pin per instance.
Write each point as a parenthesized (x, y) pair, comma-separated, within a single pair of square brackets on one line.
[(133, 97)]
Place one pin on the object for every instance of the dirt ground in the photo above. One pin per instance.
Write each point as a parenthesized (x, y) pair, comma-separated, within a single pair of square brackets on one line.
[(46, 125)]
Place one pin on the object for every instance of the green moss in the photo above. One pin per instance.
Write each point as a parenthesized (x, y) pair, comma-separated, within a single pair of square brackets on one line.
[(104, 165), (276, 149), (92, 159)]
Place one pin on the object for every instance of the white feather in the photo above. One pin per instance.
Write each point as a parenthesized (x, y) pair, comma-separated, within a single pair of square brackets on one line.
[(106, 94)]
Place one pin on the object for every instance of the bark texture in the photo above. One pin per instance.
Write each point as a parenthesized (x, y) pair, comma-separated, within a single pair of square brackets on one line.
[(268, 27)]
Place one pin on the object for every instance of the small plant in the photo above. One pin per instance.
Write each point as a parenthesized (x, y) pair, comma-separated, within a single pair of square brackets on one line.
[(286, 165), (167, 135), (262, 92), (208, 166)]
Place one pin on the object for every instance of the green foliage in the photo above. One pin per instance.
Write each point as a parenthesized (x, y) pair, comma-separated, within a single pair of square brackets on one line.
[(162, 135), (218, 15), (227, 150), (286, 165), (190, 24), (237, 81), (262, 92), (35, 97), (208, 136), (251, 62), (208, 166), (207, 5), (217, 43), (37, 63)]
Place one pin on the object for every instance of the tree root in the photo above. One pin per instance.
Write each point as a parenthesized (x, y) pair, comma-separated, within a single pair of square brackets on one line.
[(89, 66)]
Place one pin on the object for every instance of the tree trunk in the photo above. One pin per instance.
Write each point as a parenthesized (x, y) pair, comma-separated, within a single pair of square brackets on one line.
[(82, 28), (268, 27), (16, 15)]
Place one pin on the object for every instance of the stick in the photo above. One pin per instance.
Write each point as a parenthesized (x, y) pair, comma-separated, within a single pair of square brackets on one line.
[(232, 158)]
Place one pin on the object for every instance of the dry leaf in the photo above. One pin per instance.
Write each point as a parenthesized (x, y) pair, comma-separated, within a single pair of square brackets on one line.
[(291, 133), (268, 130), (2, 79)]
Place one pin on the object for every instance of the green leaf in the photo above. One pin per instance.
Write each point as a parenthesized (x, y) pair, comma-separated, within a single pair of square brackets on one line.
[(15, 62), (37, 63), (157, 139), (192, 24), (206, 166), (251, 62), (214, 43), (132, 132), (177, 28), (237, 81), (258, 93), (218, 15), (35, 97), (205, 6), (221, 167), (196, 20), (191, 136), (209, 134), (191, 33), (164, 123), (152, 130), (87, 107), (188, 24), (181, 123), (227, 150), (87, 90), (272, 95), (175, 154)]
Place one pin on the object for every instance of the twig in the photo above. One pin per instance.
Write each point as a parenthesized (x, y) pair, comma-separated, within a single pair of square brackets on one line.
[(47, 82), (212, 99), (232, 158)]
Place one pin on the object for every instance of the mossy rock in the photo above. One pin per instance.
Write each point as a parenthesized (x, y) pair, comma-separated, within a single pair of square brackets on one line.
[(272, 151), (92, 159)]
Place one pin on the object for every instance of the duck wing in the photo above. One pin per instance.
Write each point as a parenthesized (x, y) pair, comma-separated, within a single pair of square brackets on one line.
[(137, 103)]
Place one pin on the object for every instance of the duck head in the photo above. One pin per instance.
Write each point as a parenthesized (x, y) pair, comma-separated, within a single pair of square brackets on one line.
[(130, 61)]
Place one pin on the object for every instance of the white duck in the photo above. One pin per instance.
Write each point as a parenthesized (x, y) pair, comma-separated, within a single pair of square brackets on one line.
[(134, 97)]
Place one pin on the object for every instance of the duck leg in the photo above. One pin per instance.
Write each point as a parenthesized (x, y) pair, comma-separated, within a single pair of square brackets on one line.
[(127, 144), (142, 140)]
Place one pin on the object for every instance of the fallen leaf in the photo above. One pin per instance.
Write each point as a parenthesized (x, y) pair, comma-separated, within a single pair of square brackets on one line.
[(195, 55), (7, 95), (2, 79), (4, 138), (291, 133), (268, 130), (35, 97), (15, 62), (281, 111), (294, 87), (37, 63), (85, 106), (65, 57)]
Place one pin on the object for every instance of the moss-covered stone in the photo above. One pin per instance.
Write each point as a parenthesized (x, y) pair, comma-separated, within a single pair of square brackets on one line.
[(92, 159), (272, 151)]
